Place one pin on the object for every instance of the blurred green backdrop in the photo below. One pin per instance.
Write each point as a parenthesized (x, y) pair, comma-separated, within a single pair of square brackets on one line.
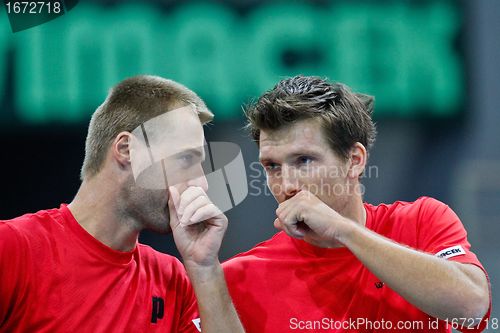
[(406, 53)]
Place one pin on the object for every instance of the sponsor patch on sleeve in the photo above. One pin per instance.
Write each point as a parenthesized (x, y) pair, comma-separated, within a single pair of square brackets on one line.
[(451, 252), (197, 323)]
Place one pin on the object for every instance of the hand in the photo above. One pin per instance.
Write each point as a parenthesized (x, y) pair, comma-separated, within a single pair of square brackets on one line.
[(197, 225), (305, 216)]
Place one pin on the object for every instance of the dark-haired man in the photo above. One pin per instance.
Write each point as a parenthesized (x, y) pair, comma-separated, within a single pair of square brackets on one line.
[(80, 268), (341, 265)]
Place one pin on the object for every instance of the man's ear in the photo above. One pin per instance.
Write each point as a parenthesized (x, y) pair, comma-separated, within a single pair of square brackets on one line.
[(120, 149), (357, 160)]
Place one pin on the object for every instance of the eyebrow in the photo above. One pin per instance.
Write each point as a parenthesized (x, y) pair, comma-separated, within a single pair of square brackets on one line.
[(197, 152), (297, 153), (265, 160)]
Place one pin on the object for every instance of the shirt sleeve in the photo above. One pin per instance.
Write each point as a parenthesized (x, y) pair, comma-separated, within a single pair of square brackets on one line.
[(443, 235), (12, 272)]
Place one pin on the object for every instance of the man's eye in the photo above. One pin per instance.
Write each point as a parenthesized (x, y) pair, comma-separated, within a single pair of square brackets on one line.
[(271, 167), (304, 160), (186, 160)]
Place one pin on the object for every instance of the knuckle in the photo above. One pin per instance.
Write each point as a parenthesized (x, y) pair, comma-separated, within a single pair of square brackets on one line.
[(200, 199), (280, 216), (207, 200), (303, 216), (215, 208)]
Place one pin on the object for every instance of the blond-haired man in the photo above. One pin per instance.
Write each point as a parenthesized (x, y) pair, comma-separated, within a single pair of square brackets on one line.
[(80, 268)]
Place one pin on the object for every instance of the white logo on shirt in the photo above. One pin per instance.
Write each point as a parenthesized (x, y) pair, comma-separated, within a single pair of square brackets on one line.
[(451, 252), (197, 323)]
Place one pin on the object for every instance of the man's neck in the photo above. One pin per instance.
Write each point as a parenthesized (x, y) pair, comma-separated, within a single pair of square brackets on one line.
[(357, 212), (353, 207), (95, 208)]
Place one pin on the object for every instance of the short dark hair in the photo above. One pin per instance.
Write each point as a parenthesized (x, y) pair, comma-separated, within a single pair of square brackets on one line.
[(130, 103), (346, 117)]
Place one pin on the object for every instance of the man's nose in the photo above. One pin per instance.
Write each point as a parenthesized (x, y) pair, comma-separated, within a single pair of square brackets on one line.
[(199, 180), (289, 182)]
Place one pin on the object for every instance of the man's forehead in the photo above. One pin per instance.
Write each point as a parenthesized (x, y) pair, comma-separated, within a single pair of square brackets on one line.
[(301, 134), (172, 118), (183, 120), (307, 128), (172, 132), (178, 142)]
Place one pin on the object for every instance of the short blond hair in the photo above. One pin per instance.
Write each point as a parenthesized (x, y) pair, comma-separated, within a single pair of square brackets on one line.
[(129, 104)]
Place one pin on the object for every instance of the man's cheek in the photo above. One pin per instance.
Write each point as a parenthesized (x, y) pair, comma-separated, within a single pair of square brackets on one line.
[(279, 191)]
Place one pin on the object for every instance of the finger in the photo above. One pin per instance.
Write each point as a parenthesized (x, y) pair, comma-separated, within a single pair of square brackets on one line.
[(291, 229), (283, 209), (294, 231), (204, 213), (192, 207), (173, 198), (297, 233), (277, 224), (191, 193), (304, 191), (290, 221), (285, 206)]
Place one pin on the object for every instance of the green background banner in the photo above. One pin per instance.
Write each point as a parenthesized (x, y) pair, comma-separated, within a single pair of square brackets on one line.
[(403, 52)]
